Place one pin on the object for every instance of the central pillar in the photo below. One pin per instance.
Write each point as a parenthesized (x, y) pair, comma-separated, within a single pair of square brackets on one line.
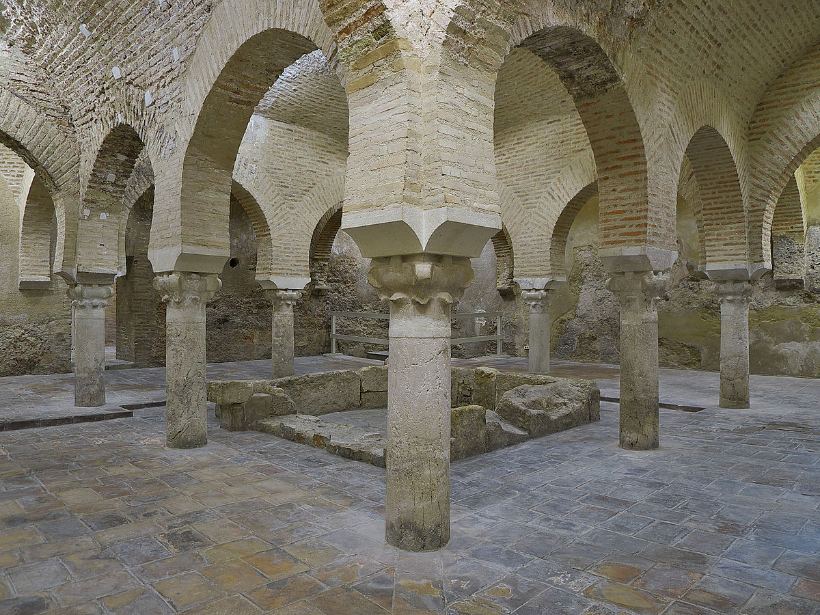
[(88, 303), (282, 345), (734, 343), (421, 290), (186, 295), (637, 293), (540, 325)]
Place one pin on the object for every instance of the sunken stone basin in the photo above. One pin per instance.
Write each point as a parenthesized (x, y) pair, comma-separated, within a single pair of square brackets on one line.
[(345, 412)]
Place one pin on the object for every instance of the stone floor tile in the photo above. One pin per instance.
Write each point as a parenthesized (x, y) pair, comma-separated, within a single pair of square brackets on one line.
[(35, 578), (232, 605), (234, 576), (555, 602), (805, 588), (624, 596), (799, 564), (278, 594), (138, 550), (663, 580), (87, 564), (345, 601), (171, 566), (27, 605), (186, 590), (765, 602), (513, 591), (139, 601), (346, 571), (313, 551), (235, 549), (79, 592), (379, 588), (709, 543), (276, 564), (220, 530), (722, 595), (760, 577)]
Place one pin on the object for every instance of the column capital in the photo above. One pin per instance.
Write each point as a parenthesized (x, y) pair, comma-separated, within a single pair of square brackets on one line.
[(734, 290), (185, 288), (421, 278), (85, 296), (283, 297), (537, 300), (646, 286)]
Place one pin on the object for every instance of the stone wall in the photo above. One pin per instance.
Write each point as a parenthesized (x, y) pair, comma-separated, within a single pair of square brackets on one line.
[(784, 323), (35, 324)]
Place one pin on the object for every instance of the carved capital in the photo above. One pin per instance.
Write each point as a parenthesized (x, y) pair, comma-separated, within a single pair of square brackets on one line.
[(90, 296), (734, 291), (421, 278), (283, 298), (536, 300), (186, 289), (638, 287)]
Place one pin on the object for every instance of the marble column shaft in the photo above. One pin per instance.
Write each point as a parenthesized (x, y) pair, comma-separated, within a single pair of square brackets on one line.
[(88, 303), (421, 290), (282, 336), (186, 296), (637, 293), (734, 343), (540, 324)]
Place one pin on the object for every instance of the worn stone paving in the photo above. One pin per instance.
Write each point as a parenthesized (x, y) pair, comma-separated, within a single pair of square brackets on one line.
[(102, 518)]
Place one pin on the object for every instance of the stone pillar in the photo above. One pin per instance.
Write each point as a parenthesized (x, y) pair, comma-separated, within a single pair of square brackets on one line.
[(734, 343), (421, 290), (88, 303), (540, 324), (637, 293), (282, 302), (811, 250), (186, 295)]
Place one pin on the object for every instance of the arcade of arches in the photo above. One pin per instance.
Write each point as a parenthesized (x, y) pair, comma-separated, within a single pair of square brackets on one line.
[(190, 190)]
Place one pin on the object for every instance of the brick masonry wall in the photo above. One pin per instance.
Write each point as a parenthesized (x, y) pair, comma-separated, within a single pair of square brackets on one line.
[(35, 325)]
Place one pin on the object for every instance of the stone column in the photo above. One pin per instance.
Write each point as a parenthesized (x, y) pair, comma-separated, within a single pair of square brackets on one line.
[(88, 303), (734, 343), (282, 302), (637, 293), (540, 324), (811, 250), (421, 290), (186, 295)]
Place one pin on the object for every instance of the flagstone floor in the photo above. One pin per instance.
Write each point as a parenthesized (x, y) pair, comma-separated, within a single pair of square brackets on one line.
[(723, 518)]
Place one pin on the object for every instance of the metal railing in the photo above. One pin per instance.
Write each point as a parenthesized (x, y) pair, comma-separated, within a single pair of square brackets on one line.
[(380, 341)]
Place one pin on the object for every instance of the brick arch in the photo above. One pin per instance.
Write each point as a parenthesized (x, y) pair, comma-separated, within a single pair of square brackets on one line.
[(504, 262), (321, 245), (689, 190), (722, 209), (53, 153), (478, 41), (261, 227), (35, 248), (698, 106), (788, 215), (560, 233), (783, 131), (100, 222), (241, 52)]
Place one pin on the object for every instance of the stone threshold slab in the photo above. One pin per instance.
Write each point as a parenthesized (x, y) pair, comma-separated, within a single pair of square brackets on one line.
[(102, 414), (663, 404)]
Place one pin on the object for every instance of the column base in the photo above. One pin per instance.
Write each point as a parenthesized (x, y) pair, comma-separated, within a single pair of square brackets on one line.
[(735, 405)]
